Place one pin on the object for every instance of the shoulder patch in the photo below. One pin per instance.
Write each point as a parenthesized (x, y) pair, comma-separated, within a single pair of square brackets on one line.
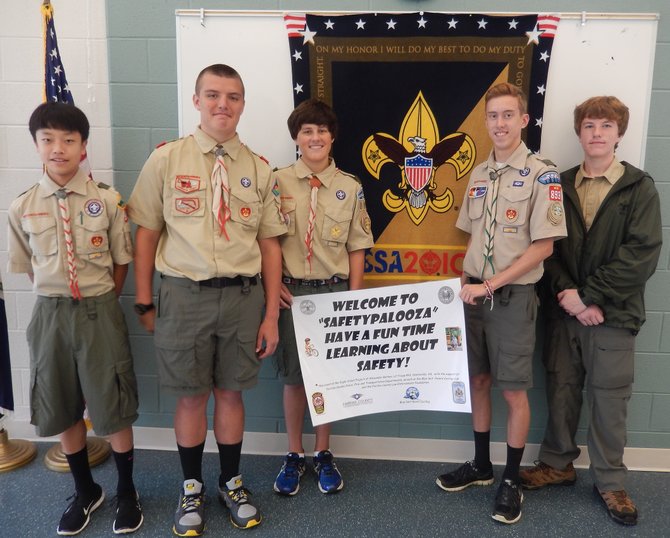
[(549, 177)]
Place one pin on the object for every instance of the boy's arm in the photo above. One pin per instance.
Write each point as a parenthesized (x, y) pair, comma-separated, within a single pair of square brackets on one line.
[(119, 273), (271, 267), (356, 269), (537, 252), (146, 243)]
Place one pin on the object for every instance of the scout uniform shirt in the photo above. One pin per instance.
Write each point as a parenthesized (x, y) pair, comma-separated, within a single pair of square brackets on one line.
[(593, 190), (100, 231), (529, 207), (173, 194), (342, 223)]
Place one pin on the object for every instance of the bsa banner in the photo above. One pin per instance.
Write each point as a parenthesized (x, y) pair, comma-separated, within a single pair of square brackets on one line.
[(408, 90), (395, 348)]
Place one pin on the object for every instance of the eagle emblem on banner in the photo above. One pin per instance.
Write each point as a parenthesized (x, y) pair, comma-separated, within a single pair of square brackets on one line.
[(418, 152)]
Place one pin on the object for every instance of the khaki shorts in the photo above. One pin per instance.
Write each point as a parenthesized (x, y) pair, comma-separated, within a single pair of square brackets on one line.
[(205, 337), (502, 341), (286, 357), (80, 356)]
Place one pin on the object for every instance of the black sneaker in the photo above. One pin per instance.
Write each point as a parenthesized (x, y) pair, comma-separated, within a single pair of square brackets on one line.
[(466, 475), (129, 515), (508, 501), (78, 514)]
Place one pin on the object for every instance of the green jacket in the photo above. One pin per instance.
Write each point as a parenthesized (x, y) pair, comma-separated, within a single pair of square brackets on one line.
[(610, 264)]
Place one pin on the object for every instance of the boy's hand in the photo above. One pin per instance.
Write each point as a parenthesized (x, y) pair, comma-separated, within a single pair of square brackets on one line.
[(147, 320)]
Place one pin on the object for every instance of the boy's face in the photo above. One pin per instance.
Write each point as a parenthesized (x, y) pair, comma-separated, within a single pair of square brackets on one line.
[(315, 142), (599, 137), (221, 103), (60, 152), (504, 122)]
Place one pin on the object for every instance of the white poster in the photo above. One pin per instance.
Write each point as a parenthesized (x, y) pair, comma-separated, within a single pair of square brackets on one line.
[(396, 348)]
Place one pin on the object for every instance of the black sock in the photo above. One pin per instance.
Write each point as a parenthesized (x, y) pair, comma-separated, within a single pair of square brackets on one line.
[(229, 458), (124, 468), (482, 453), (514, 456), (191, 461), (81, 473)]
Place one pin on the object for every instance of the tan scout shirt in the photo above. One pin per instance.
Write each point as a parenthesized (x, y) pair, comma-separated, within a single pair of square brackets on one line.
[(592, 192), (342, 223), (529, 207), (173, 194), (100, 231)]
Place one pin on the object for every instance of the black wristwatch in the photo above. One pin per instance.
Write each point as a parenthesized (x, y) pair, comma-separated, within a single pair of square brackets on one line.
[(142, 309)]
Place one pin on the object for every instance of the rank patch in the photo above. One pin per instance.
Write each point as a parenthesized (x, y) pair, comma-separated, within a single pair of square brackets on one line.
[(187, 205), (335, 231), (511, 215), (245, 212), (96, 241), (93, 208), (187, 184)]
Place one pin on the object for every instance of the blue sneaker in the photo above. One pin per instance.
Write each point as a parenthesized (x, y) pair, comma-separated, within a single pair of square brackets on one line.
[(288, 479), (330, 479)]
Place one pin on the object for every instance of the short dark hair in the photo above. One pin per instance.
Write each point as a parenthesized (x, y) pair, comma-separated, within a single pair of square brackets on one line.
[(62, 116), (603, 107), (505, 88), (219, 70), (312, 111)]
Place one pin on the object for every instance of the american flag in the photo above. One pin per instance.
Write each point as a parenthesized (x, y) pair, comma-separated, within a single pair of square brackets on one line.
[(55, 83), (548, 23), (56, 88), (295, 24)]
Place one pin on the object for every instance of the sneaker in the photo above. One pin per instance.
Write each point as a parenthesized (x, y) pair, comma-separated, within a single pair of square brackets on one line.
[(507, 508), (235, 496), (545, 475), (330, 479), (620, 506), (189, 519), (78, 514), (288, 479), (129, 515), (466, 475)]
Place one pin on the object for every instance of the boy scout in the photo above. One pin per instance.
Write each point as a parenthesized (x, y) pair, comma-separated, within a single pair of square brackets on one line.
[(208, 218), (324, 251), (72, 237), (595, 296), (513, 212)]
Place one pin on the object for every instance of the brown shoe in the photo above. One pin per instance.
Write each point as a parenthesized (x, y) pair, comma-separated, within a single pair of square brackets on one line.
[(544, 475), (620, 506)]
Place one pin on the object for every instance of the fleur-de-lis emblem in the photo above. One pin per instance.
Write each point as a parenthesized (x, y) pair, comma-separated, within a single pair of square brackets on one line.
[(418, 152)]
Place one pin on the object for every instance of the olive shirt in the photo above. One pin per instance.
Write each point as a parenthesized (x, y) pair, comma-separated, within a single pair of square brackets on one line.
[(173, 195), (593, 191), (100, 230), (529, 207), (342, 223)]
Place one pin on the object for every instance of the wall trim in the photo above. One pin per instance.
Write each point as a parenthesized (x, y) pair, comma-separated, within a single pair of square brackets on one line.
[(380, 448)]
